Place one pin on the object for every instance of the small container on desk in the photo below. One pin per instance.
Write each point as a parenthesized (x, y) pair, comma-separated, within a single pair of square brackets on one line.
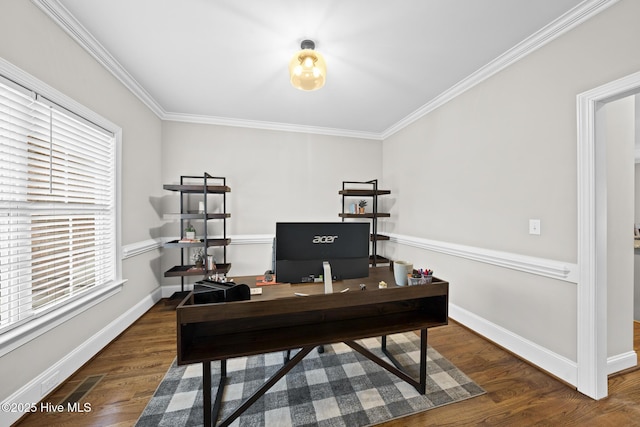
[(422, 280)]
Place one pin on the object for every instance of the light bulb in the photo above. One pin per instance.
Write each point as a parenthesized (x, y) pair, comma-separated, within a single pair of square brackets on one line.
[(308, 62)]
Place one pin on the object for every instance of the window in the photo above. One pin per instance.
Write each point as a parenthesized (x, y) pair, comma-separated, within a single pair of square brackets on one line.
[(57, 206)]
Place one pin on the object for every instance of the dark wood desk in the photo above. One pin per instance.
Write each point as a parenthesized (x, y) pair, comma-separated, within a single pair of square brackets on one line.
[(279, 320)]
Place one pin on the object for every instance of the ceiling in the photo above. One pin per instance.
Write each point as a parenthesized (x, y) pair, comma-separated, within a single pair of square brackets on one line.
[(225, 61)]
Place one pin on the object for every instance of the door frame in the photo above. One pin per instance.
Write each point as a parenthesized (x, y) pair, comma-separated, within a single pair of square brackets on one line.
[(592, 235)]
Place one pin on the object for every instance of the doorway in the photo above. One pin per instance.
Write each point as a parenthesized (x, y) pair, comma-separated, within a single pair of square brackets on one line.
[(592, 235)]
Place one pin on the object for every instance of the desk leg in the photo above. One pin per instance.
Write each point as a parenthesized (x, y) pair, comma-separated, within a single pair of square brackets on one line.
[(206, 392), (266, 386), (210, 413), (397, 369), (423, 361), (221, 385)]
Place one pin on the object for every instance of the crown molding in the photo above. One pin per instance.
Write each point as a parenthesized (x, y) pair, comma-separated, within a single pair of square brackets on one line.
[(61, 16), (256, 124), (555, 29)]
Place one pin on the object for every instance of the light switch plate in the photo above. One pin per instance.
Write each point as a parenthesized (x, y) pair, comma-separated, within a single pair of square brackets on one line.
[(534, 226)]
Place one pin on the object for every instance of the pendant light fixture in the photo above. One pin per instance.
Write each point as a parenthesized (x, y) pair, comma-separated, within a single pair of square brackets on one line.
[(307, 68)]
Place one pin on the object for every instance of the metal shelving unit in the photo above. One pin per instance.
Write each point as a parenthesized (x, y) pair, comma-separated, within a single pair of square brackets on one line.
[(205, 185), (367, 189)]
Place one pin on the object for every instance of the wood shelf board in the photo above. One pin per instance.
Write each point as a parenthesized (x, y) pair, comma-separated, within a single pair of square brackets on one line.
[(189, 270), (378, 237), (365, 215), (210, 242), (197, 188), (363, 192), (196, 215)]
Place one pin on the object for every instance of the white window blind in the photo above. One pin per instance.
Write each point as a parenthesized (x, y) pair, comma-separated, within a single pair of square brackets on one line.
[(57, 207)]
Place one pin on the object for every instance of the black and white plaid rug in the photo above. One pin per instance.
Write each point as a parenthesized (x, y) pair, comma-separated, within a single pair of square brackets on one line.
[(339, 387)]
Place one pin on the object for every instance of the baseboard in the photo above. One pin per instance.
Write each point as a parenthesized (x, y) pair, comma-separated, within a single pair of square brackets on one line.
[(621, 362), (559, 366), (34, 391)]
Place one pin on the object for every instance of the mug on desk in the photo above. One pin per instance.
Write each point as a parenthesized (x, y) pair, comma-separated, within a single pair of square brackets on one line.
[(401, 270)]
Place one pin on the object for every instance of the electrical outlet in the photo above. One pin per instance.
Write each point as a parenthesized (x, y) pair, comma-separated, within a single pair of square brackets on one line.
[(534, 226), (47, 385)]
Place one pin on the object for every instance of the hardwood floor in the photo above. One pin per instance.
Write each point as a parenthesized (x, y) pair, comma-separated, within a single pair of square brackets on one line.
[(133, 364), (517, 393)]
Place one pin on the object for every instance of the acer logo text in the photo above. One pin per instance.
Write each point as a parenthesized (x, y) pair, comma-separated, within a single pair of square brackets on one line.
[(324, 239)]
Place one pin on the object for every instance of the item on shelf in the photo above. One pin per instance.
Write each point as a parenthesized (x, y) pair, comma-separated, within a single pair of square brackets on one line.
[(361, 205), (190, 232), (198, 257), (211, 263)]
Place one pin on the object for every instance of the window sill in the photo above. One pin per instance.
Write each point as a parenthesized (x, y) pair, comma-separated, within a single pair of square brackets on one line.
[(21, 335)]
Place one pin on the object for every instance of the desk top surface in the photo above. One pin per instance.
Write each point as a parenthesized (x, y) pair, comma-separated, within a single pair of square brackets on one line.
[(282, 290)]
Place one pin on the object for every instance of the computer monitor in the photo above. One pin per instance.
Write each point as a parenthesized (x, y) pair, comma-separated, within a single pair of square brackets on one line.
[(302, 247)]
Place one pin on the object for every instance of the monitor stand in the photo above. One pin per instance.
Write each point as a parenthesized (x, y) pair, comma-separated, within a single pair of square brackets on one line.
[(328, 284), (328, 289)]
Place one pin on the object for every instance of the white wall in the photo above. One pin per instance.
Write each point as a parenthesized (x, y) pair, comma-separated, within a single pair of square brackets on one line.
[(32, 42), (274, 176), (498, 155)]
